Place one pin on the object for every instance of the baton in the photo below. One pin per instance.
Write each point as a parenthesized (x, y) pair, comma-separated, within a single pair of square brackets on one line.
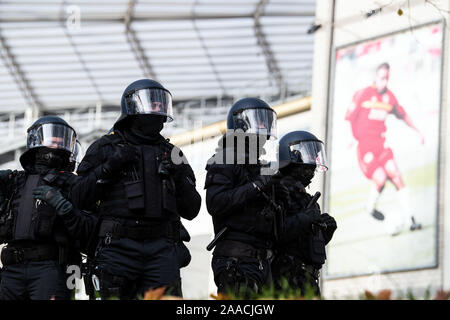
[(311, 203), (314, 199), (212, 244)]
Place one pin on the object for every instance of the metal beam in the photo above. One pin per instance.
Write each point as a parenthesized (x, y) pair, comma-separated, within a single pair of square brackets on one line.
[(159, 17), (19, 77), (205, 49), (135, 45), (186, 42), (271, 62), (49, 76), (24, 32), (78, 53)]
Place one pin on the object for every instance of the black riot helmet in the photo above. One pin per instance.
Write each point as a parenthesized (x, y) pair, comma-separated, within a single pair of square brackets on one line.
[(302, 148), (146, 96), (50, 132), (253, 115)]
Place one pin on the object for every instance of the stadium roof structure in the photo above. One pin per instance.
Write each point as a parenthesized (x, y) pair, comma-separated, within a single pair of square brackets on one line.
[(77, 56)]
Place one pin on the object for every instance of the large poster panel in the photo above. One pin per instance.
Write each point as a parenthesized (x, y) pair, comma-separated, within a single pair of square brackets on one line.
[(384, 153)]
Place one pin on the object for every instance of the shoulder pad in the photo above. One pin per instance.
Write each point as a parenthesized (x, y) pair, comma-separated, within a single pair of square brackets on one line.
[(110, 138), (18, 174), (222, 169), (98, 144)]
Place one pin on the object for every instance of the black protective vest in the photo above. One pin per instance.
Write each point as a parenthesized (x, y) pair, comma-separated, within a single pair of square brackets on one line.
[(139, 191), (251, 222), (25, 218)]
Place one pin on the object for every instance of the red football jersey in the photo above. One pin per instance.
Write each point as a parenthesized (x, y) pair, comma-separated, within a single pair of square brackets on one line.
[(368, 113)]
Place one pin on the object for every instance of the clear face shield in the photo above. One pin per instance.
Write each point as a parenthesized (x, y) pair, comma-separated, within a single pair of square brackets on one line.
[(258, 121), (51, 135), (77, 155), (150, 101), (309, 152)]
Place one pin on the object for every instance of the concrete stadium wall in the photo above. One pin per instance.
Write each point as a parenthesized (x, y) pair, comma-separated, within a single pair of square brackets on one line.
[(344, 22)]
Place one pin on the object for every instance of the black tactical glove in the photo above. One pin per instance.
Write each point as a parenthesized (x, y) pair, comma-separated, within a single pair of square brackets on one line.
[(314, 214), (181, 173), (304, 221), (331, 226), (53, 198), (122, 155), (282, 194)]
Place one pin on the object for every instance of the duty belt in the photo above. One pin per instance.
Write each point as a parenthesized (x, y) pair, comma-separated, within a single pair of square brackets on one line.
[(233, 248), (16, 254), (115, 230)]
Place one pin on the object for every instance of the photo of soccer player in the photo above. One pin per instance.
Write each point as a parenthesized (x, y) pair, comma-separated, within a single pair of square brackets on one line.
[(383, 140), (367, 115)]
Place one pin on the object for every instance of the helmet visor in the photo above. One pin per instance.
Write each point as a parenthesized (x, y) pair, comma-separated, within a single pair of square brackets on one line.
[(150, 101), (77, 153), (52, 135), (309, 152), (260, 121)]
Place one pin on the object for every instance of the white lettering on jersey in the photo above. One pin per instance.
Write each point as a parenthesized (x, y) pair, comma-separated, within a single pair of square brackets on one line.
[(377, 114), (368, 157)]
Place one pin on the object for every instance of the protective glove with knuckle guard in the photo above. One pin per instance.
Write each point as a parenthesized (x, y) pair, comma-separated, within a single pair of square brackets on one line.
[(328, 220), (311, 216), (331, 226), (303, 221), (263, 182), (314, 214), (53, 198)]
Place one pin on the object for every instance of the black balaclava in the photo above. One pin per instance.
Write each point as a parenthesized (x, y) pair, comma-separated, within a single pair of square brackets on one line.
[(143, 128), (300, 172), (47, 159)]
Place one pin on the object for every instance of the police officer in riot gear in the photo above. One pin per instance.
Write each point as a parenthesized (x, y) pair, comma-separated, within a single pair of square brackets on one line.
[(38, 248), (300, 251), (239, 199), (142, 185)]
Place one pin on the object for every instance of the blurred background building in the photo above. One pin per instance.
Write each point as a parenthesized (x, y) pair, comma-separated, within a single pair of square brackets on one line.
[(75, 58)]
